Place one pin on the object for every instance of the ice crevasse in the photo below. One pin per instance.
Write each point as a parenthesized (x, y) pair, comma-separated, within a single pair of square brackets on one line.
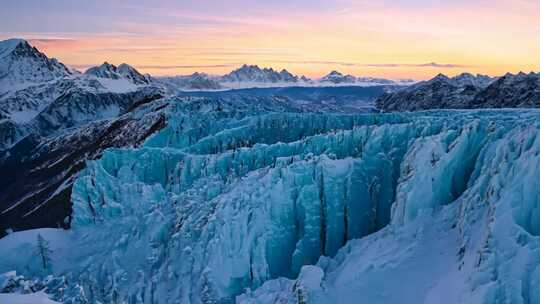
[(432, 207)]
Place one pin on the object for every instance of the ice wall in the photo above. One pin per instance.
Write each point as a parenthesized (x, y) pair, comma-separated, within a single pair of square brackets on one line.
[(230, 203)]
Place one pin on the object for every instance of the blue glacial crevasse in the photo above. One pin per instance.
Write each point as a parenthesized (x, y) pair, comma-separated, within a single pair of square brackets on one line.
[(213, 205)]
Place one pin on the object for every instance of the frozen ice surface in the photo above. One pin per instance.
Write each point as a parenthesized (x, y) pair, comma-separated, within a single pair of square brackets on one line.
[(224, 206)]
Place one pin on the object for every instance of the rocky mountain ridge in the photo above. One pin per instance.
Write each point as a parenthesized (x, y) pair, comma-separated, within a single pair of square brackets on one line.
[(466, 91)]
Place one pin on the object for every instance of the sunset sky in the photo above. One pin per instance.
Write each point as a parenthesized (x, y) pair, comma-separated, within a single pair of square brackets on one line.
[(395, 39)]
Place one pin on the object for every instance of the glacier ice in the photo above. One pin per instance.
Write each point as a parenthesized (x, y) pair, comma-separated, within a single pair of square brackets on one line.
[(256, 207)]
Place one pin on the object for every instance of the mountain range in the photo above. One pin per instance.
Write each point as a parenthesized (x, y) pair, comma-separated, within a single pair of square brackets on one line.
[(251, 76), (465, 91)]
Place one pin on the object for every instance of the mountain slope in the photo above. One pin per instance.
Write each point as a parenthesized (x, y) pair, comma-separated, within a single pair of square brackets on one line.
[(466, 91), (22, 64), (123, 71), (50, 125), (336, 77), (195, 81), (37, 93), (521, 90), (254, 74)]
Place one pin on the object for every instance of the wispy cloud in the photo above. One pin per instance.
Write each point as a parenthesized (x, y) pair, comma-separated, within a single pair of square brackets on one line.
[(318, 62), (50, 40), (417, 65), (173, 67), (164, 67), (377, 65)]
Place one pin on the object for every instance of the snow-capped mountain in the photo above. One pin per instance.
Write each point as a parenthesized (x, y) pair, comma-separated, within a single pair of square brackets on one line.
[(123, 71), (254, 74), (468, 79), (22, 65), (195, 81), (520, 90), (34, 87), (437, 93), (336, 78)]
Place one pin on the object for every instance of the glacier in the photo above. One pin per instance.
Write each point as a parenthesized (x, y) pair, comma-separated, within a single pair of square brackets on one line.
[(262, 204)]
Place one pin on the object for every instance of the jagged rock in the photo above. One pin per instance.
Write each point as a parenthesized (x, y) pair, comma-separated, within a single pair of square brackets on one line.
[(466, 91)]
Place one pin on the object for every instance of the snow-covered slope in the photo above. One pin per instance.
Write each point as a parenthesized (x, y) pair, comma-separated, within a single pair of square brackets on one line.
[(123, 71), (22, 65), (337, 78), (254, 74), (230, 201), (36, 173), (466, 91), (50, 122), (193, 82), (520, 90), (38, 94)]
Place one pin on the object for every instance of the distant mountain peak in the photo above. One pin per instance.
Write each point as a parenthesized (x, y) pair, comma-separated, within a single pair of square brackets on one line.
[(7, 46), (441, 76), (123, 71), (253, 73), (21, 63), (336, 73), (338, 78), (466, 91)]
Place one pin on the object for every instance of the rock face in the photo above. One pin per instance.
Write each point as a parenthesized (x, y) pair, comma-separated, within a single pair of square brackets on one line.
[(466, 91), (509, 91), (440, 92)]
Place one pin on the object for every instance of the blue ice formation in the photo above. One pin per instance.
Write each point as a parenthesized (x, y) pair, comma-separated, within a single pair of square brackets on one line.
[(230, 204)]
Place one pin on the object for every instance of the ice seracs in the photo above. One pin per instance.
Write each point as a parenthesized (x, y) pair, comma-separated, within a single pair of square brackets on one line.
[(223, 205)]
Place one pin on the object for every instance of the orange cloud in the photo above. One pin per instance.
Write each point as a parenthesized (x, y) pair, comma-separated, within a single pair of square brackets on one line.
[(371, 39)]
